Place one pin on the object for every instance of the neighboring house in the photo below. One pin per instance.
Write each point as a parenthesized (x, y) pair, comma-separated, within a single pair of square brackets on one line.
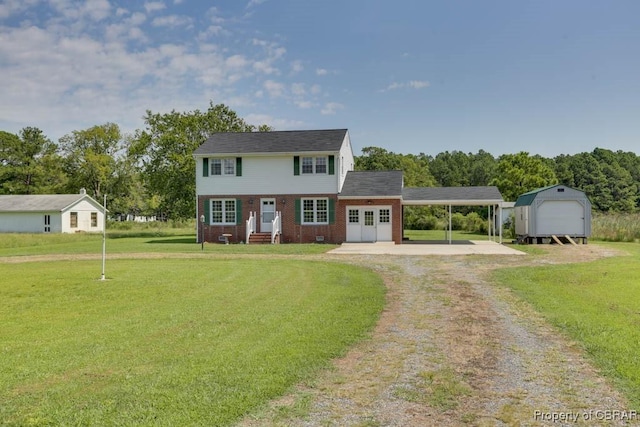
[(556, 210), (50, 213), (300, 186)]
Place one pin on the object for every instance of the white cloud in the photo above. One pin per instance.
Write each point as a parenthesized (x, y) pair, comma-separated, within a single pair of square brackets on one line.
[(304, 104), (321, 72), (331, 108), (253, 3), (413, 84), (154, 6), (315, 89), (172, 21), (296, 66), (274, 89), (298, 89)]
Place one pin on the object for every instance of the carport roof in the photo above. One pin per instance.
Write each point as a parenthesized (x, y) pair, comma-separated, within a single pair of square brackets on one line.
[(456, 196)]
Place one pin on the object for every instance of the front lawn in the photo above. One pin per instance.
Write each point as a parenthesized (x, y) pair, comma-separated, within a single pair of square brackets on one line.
[(171, 341), (597, 304)]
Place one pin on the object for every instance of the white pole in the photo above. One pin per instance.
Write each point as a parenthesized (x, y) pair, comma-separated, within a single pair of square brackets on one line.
[(104, 236), (450, 224)]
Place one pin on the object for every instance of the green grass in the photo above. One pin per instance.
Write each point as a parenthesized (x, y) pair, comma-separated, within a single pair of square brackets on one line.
[(171, 341), (597, 304), (442, 235), (136, 241)]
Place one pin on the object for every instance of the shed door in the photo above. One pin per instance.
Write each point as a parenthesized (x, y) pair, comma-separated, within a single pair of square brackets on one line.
[(560, 217)]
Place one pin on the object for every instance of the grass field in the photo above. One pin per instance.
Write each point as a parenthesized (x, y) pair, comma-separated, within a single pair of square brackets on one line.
[(170, 342), (597, 304)]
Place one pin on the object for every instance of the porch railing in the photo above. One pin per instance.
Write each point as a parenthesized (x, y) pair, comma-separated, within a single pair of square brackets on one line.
[(276, 227), (251, 225)]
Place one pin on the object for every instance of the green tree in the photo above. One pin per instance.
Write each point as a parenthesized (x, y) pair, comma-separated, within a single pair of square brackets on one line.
[(30, 163), (519, 173), (164, 153), (91, 159)]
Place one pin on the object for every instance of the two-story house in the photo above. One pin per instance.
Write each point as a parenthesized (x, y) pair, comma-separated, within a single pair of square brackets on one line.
[(301, 182)]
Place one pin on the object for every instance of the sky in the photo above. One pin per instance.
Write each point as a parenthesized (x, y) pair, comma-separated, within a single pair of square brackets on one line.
[(548, 77)]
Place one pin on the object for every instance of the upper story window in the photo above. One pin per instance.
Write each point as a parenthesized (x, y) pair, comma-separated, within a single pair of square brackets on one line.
[(317, 165), (223, 167)]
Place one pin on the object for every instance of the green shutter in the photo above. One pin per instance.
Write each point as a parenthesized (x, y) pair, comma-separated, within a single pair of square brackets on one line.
[(298, 212), (207, 211), (238, 212), (238, 166), (296, 165), (332, 210), (332, 165), (205, 167)]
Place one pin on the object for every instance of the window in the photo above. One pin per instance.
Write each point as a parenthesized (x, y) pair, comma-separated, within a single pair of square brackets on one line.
[(385, 216), (315, 211), (312, 165), (354, 216), (73, 220), (94, 219), (368, 218), (223, 167), (47, 223), (223, 211)]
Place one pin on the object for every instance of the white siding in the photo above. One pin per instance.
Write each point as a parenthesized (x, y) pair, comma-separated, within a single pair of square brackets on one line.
[(84, 209), (267, 175), (344, 161), (28, 222)]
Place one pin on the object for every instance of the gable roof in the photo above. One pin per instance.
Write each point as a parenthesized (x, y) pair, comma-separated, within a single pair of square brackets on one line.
[(40, 202), (372, 184), (458, 196), (527, 198), (329, 140)]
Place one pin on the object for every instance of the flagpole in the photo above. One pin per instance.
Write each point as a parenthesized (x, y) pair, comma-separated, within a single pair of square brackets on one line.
[(104, 236)]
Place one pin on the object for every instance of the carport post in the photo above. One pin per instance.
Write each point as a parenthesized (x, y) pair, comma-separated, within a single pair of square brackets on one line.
[(449, 223)]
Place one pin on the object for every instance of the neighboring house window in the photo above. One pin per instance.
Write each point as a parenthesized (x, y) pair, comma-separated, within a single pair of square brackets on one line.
[(47, 223), (311, 165), (73, 220), (385, 216), (223, 211), (354, 216), (315, 211), (94, 219), (223, 167)]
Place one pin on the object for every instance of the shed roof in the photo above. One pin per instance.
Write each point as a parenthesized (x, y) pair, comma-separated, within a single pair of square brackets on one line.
[(40, 202), (372, 184), (329, 140), (457, 196)]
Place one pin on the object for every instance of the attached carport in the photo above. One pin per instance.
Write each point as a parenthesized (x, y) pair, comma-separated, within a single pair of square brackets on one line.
[(459, 196)]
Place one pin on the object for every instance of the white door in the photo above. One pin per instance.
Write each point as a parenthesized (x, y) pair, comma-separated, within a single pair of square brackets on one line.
[(267, 214), (369, 233)]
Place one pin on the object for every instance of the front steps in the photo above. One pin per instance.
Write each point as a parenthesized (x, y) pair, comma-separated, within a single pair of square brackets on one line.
[(259, 238)]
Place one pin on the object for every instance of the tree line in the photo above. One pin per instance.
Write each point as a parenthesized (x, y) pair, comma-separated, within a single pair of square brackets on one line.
[(151, 172)]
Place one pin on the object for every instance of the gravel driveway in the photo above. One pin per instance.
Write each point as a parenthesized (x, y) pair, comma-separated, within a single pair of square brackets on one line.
[(452, 349)]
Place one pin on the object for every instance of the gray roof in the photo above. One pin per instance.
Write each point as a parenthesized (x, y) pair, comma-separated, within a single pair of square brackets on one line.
[(39, 202), (372, 184), (461, 196), (329, 140)]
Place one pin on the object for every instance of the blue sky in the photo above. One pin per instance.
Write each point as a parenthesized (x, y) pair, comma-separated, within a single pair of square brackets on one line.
[(547, 76)]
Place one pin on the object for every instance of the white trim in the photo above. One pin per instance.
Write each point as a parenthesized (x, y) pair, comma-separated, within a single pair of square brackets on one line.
[(224, 211), (315, 211)]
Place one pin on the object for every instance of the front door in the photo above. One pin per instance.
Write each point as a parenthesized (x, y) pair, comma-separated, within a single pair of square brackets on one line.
[(267, 214), (369, 232)]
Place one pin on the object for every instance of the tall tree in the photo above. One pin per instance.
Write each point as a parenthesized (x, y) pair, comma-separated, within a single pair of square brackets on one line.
[(30, 161), (519, 173), (91, 158), (164, 151)]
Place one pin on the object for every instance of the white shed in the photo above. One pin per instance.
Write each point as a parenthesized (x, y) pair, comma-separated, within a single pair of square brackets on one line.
[(556, 210), (50, 213)]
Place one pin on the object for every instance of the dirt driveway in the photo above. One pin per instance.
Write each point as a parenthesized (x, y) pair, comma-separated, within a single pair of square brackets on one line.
[(452, 349)]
